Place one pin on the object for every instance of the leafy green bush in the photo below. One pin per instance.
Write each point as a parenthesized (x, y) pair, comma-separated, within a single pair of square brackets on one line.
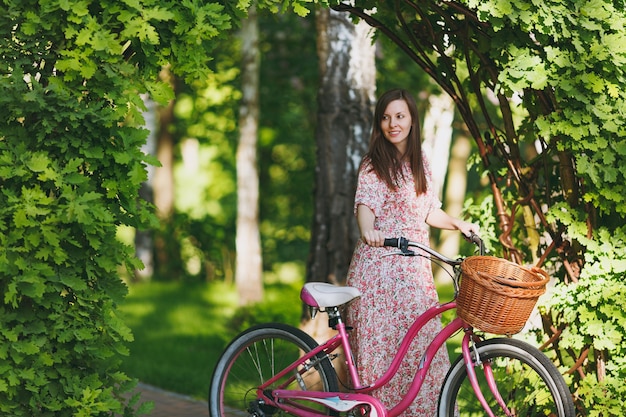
[(70, 169), (591, 314), (59, 208)]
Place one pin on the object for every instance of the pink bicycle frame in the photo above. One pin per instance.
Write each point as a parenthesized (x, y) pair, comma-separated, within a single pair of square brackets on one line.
[(284, 399)]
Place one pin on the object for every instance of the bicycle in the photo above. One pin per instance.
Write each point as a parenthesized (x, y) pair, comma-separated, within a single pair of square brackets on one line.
[(276, 369)]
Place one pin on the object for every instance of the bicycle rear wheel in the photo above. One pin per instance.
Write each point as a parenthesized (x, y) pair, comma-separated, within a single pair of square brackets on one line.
[(255, 356), (526, 379)]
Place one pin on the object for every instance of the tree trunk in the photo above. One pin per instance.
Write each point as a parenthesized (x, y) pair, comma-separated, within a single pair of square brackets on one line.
[(454, 197), (163, 190), (345, 105), (144, 239), (437, 134), (345, 100), (164, 175), (446, 162), (249, 271)]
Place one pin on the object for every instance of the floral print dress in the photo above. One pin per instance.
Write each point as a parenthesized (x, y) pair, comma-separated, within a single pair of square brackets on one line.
[(395, 290)]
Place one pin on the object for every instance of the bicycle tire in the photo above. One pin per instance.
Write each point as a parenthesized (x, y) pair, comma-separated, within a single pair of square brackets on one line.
[(527, 380), (256, 355)]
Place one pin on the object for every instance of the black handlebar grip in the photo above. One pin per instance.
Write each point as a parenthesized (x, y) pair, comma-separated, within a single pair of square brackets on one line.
[(392, 242)]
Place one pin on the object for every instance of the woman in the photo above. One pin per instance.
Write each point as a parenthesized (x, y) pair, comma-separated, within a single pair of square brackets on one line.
[(395, 198)]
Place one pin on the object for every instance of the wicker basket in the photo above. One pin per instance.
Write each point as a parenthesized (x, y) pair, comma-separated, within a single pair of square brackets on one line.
[(498, 296)]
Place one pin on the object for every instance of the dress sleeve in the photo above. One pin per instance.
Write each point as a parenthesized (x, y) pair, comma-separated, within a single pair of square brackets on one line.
[(435, 203), (370, 190)]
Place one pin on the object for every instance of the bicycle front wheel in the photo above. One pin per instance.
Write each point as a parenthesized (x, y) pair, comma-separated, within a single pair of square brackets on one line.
[(527, 381), (257, 355)]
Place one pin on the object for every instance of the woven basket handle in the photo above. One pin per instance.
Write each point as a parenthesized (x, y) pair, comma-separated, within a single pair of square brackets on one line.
[(542, 278)]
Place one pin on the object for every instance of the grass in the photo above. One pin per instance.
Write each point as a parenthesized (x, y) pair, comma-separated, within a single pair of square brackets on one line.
[(181, 328)]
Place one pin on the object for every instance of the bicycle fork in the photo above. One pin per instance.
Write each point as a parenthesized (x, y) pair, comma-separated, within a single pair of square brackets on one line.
[(472, 361)]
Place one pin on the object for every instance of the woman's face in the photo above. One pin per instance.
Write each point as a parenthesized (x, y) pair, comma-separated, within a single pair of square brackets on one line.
[(396, 124)]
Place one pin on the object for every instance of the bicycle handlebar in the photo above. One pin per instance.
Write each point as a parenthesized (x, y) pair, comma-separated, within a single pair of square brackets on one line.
[(403, 245), (476, 240)]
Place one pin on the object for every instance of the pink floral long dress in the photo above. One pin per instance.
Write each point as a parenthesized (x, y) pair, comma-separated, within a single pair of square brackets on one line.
[(395, 290)]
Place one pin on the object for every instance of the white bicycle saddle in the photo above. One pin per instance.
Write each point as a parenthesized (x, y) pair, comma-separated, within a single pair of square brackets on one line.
[(322, 295)]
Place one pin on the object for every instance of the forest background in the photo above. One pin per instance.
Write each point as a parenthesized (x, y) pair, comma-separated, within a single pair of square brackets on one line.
[(539, 89)]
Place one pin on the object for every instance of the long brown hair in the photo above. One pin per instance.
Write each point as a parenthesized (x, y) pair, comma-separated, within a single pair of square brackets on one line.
[(384, 157)]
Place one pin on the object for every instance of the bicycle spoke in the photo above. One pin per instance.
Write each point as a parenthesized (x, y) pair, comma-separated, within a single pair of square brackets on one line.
[(256, 358)]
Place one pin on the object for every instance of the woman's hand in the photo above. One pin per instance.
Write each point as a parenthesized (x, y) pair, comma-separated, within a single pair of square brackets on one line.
[(365, 218), (373, 237), (467, 228)]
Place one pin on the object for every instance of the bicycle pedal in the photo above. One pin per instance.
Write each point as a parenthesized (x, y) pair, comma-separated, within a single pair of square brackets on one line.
[(255, 409), (361, 410)]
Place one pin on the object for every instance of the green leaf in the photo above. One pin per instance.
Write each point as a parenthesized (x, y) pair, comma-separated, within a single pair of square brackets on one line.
[(38, 163), (160, 92), (74, 282)]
